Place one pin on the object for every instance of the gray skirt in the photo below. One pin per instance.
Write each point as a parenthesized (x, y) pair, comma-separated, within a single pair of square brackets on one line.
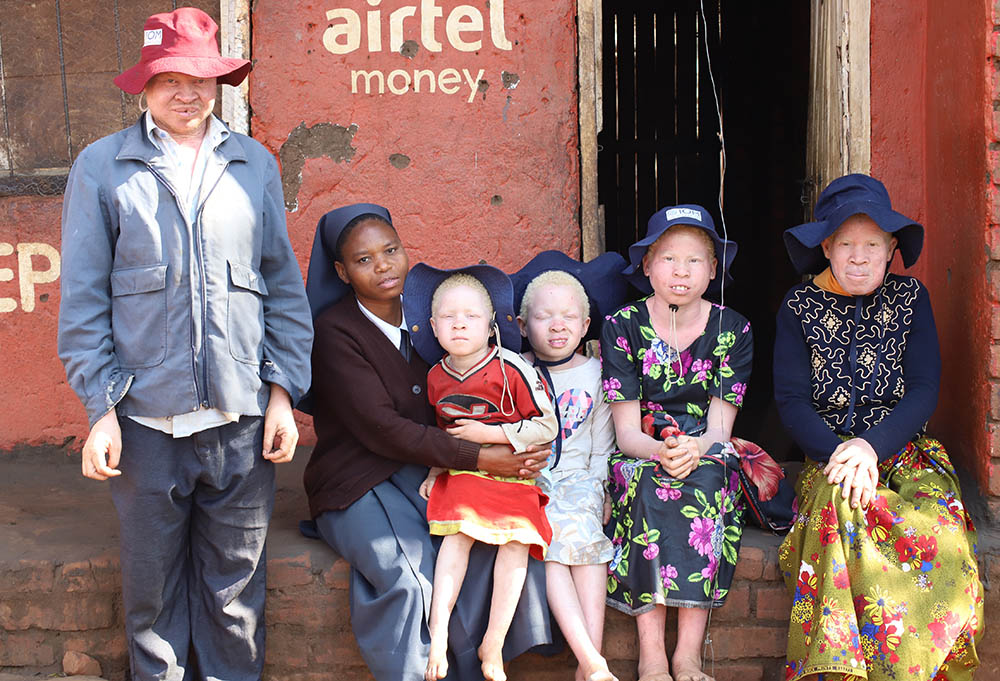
[(385, 538)]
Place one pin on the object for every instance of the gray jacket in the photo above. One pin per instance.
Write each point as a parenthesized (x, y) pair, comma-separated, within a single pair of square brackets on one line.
[(159, 316)]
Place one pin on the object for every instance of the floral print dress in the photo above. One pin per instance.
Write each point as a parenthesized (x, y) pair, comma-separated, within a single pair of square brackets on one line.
[(676, 541)]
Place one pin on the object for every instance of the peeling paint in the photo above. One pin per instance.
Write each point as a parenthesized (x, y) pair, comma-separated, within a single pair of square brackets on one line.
[(496, 200), (322, 139), (409, 49), (505, 107), (399, 160), (509, 80), (483, 86)]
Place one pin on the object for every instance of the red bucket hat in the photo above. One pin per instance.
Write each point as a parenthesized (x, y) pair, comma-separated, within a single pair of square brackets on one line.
[(182, 41)]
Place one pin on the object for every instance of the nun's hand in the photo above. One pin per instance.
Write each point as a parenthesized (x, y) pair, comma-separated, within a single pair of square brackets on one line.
[(679, 455), (502, 460)]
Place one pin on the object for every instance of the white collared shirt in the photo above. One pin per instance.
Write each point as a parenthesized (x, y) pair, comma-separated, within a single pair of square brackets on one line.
[(391, 332)]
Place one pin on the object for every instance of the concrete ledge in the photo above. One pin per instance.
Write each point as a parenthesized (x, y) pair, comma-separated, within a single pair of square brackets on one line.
[(59, 591)]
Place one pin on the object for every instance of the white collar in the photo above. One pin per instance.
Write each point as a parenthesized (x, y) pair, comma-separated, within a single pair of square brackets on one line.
[(391, 332), (215, 135)]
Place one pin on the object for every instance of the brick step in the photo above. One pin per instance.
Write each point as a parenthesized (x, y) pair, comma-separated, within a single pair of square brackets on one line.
[(60, 590)]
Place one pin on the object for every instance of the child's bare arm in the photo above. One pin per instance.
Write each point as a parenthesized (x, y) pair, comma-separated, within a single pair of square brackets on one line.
[(480, 433), (428, 483)]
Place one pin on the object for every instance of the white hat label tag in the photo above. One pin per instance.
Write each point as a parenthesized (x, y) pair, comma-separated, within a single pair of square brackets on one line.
[(677, 213), (152, 37)]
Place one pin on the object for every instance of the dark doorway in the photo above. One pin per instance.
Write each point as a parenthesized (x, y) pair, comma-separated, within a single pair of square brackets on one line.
[(659, 146)]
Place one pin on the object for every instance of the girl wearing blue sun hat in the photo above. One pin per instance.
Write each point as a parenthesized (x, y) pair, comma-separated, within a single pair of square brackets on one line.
[(675, 370)]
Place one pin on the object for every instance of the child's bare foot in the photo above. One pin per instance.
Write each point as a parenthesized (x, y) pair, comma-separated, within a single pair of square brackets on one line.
[(492, 657), (595, 672), (437, 662), (686, 669)]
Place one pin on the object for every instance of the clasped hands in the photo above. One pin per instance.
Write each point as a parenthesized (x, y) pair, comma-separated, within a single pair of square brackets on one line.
[(854, 465), (678, 455)]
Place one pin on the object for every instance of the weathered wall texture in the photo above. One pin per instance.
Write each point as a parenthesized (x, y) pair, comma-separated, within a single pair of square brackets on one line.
[(480, 163), (469, 137), (930, 67)]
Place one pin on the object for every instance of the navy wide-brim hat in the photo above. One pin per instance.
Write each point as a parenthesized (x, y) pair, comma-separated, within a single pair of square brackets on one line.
[(324, 286), (421, 283), (846, 196), (602, 280), (691, 215)]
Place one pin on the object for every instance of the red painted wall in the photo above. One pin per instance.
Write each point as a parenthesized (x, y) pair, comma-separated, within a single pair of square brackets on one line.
[(495, 178), (929, 101)]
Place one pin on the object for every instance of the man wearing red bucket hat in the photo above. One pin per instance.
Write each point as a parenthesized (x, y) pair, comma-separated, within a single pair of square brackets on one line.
[(185, 331)]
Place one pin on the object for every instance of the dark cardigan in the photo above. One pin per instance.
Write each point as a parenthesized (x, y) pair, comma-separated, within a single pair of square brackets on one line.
[(861, 366), (371, 412)]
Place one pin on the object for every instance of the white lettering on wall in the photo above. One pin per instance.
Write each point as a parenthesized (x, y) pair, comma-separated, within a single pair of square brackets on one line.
[(27, 274), (464, 27)]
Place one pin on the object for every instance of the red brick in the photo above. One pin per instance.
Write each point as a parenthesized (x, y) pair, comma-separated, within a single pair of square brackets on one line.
[(67, 613), (325, 610), (741, 671), (770, 571), (73, 577), (80, 664), (339, 575), (29, 575), (995, 321), (26, 649), (994, 487), (750, 564), (341, 652), (287, 647), (737, 607), (772, 603), (285, 572), (994, 409), (107, 573), (104, 644), (995, 360), (734, 642)]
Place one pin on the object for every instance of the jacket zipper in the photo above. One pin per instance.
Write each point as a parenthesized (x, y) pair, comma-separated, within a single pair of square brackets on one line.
[(204, 284), (180, 208)]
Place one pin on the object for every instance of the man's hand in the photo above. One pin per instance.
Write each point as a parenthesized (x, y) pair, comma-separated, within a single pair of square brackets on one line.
[(280, 432), (103, 449)]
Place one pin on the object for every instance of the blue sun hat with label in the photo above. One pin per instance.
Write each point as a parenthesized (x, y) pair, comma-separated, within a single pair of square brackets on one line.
[(691, 215), (422, 282), (853, 194)]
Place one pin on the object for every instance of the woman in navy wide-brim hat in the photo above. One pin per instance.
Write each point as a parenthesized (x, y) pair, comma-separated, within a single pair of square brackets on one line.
[(675, 369), (881, 562), (375, 439)]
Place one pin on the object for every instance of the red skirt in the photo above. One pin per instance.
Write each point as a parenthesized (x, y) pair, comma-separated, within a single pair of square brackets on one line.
[(490, 510)]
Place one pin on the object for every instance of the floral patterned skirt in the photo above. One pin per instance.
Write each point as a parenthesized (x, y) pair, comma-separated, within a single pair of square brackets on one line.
[(675, 541), (887, 592)]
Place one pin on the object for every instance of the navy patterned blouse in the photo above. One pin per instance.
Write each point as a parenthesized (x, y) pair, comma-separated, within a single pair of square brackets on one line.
[(856, 366)]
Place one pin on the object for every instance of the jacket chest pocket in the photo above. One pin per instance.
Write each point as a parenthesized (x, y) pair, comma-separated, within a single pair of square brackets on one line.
[(246, 313), (139, 315)]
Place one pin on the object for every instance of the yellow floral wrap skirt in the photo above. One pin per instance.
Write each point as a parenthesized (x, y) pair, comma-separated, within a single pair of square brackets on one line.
[(887, 592)]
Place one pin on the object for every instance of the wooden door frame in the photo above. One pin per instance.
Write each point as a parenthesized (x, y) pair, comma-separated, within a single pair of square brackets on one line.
[(839, 127), (234, 28)]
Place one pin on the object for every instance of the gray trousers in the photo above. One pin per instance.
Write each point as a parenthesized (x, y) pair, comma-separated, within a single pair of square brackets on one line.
[(194, 513), (385, 538)]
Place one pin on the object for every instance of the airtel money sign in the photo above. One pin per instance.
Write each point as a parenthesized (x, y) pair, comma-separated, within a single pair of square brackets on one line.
[(461, 28)]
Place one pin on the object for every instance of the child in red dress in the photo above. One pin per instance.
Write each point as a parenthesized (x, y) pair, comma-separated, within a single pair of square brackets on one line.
[(487, 394)]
